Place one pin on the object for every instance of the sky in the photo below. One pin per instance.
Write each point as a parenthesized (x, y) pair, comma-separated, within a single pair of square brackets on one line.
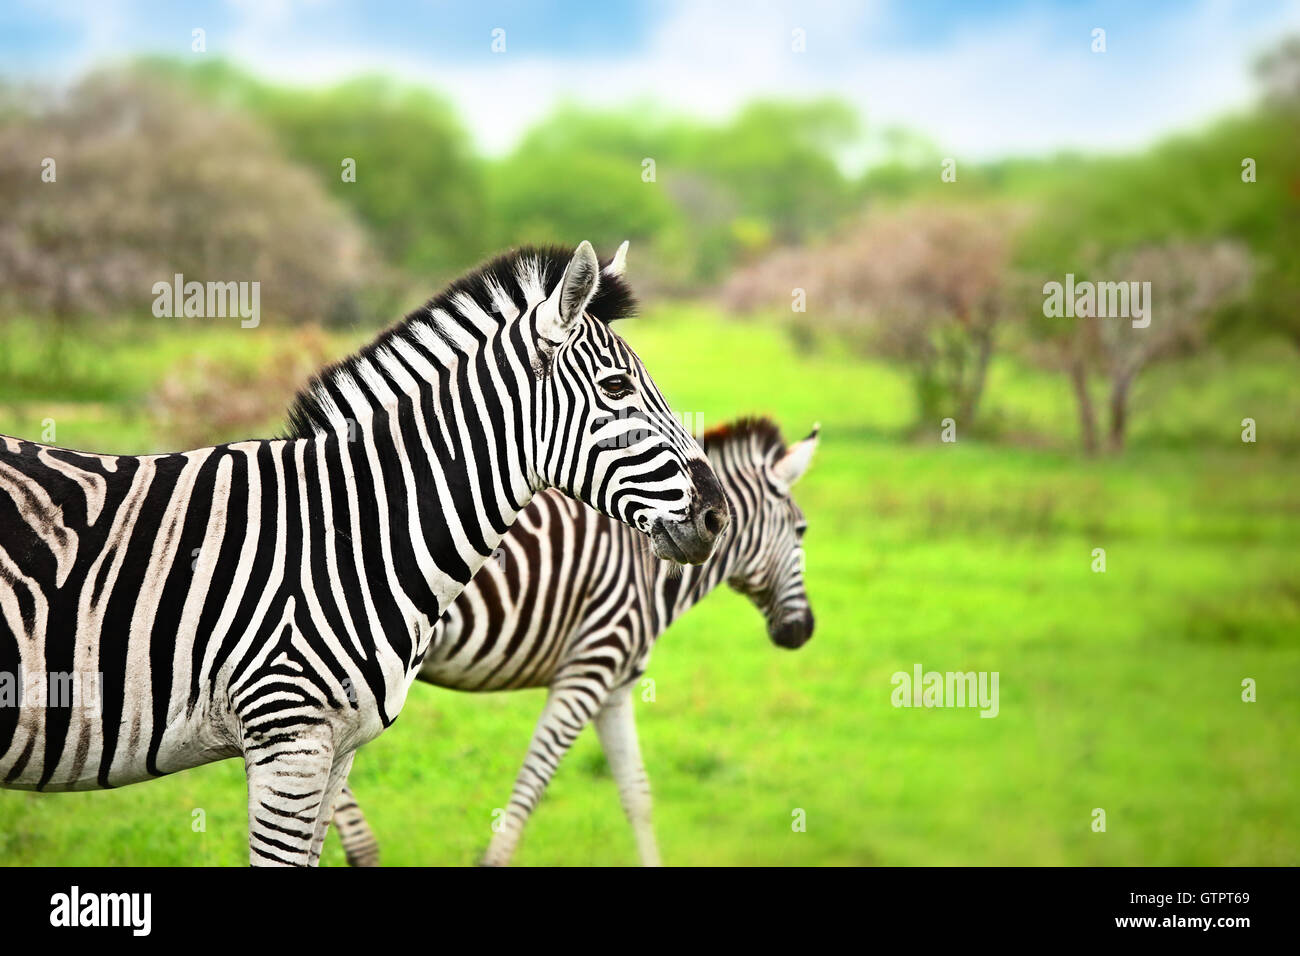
[(981, 79)]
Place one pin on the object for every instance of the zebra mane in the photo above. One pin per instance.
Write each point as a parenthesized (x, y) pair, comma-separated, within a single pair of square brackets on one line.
[(764, 434), (522, 275)]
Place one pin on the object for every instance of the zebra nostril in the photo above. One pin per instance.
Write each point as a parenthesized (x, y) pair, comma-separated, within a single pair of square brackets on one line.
[(713, 521)]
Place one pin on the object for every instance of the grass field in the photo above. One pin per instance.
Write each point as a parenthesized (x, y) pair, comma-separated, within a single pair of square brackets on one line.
[(1119, 691)]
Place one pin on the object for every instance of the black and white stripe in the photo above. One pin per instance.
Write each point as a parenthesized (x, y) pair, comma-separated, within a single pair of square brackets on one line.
[(573, 602), (275, 599)]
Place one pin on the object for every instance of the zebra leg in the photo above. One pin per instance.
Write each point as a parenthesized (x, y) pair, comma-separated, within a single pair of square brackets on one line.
[(338, 777), (288, 779), (358, 841), (616, 728), (566, 712)]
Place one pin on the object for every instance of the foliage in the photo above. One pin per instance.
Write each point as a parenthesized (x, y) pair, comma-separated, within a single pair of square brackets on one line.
[(719, 190), (149, 183), (203, 401), (1188, 282), (209, 171), (1119, 690), (418, 186), (549, 197), (926, 286)]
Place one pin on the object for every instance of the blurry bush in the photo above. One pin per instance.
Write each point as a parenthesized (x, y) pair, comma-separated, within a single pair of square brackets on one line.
[(553, 197), (1190, 283), (926, 286), (203, 402), (418, 186), (720, 191), (149, 182), (715, 192)]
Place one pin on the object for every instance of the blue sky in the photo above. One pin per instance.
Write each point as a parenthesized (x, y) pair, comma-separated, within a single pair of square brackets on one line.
[(981, 78)]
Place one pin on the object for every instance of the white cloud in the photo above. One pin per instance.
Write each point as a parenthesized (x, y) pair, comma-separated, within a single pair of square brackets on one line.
[(1008, 87)]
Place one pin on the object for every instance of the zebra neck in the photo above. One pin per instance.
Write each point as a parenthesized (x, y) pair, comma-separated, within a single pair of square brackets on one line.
[(444, 486), (679, 588)]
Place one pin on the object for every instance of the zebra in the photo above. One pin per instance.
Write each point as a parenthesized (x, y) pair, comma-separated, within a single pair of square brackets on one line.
[(274, 599), (574, 604)]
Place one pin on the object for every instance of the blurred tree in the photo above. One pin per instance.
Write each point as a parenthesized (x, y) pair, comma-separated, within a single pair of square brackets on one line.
[(417, 184), (1226, 199), (1276, 300), (565, 197), (720, 191), (927, 286), (1238, 179), (779, 159), (1189, 282), (1279, 72), (148, 182)]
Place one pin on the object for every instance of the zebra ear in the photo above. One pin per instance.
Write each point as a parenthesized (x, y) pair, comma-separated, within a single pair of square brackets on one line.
[(618, 265), (557, 316), (791, 466)]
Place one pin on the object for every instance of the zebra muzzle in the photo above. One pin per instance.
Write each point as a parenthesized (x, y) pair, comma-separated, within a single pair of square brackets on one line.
[(680, 541), (692, 539), (793, 632)]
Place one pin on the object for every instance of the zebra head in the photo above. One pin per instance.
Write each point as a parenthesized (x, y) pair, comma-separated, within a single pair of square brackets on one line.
[(605, 434), (767, 565)]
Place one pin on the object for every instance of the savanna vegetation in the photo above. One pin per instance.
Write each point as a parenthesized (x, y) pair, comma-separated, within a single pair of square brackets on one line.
[(881, 305)]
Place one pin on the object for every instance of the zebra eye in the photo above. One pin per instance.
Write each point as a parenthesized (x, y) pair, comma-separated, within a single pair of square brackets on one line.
[(616, 386)]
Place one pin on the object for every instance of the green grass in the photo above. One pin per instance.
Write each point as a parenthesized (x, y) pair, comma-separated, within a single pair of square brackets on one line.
[(1119, 690)]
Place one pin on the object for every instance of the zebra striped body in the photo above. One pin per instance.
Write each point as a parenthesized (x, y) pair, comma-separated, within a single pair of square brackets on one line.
[(275, 599), (574, 602), (195, 582)]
